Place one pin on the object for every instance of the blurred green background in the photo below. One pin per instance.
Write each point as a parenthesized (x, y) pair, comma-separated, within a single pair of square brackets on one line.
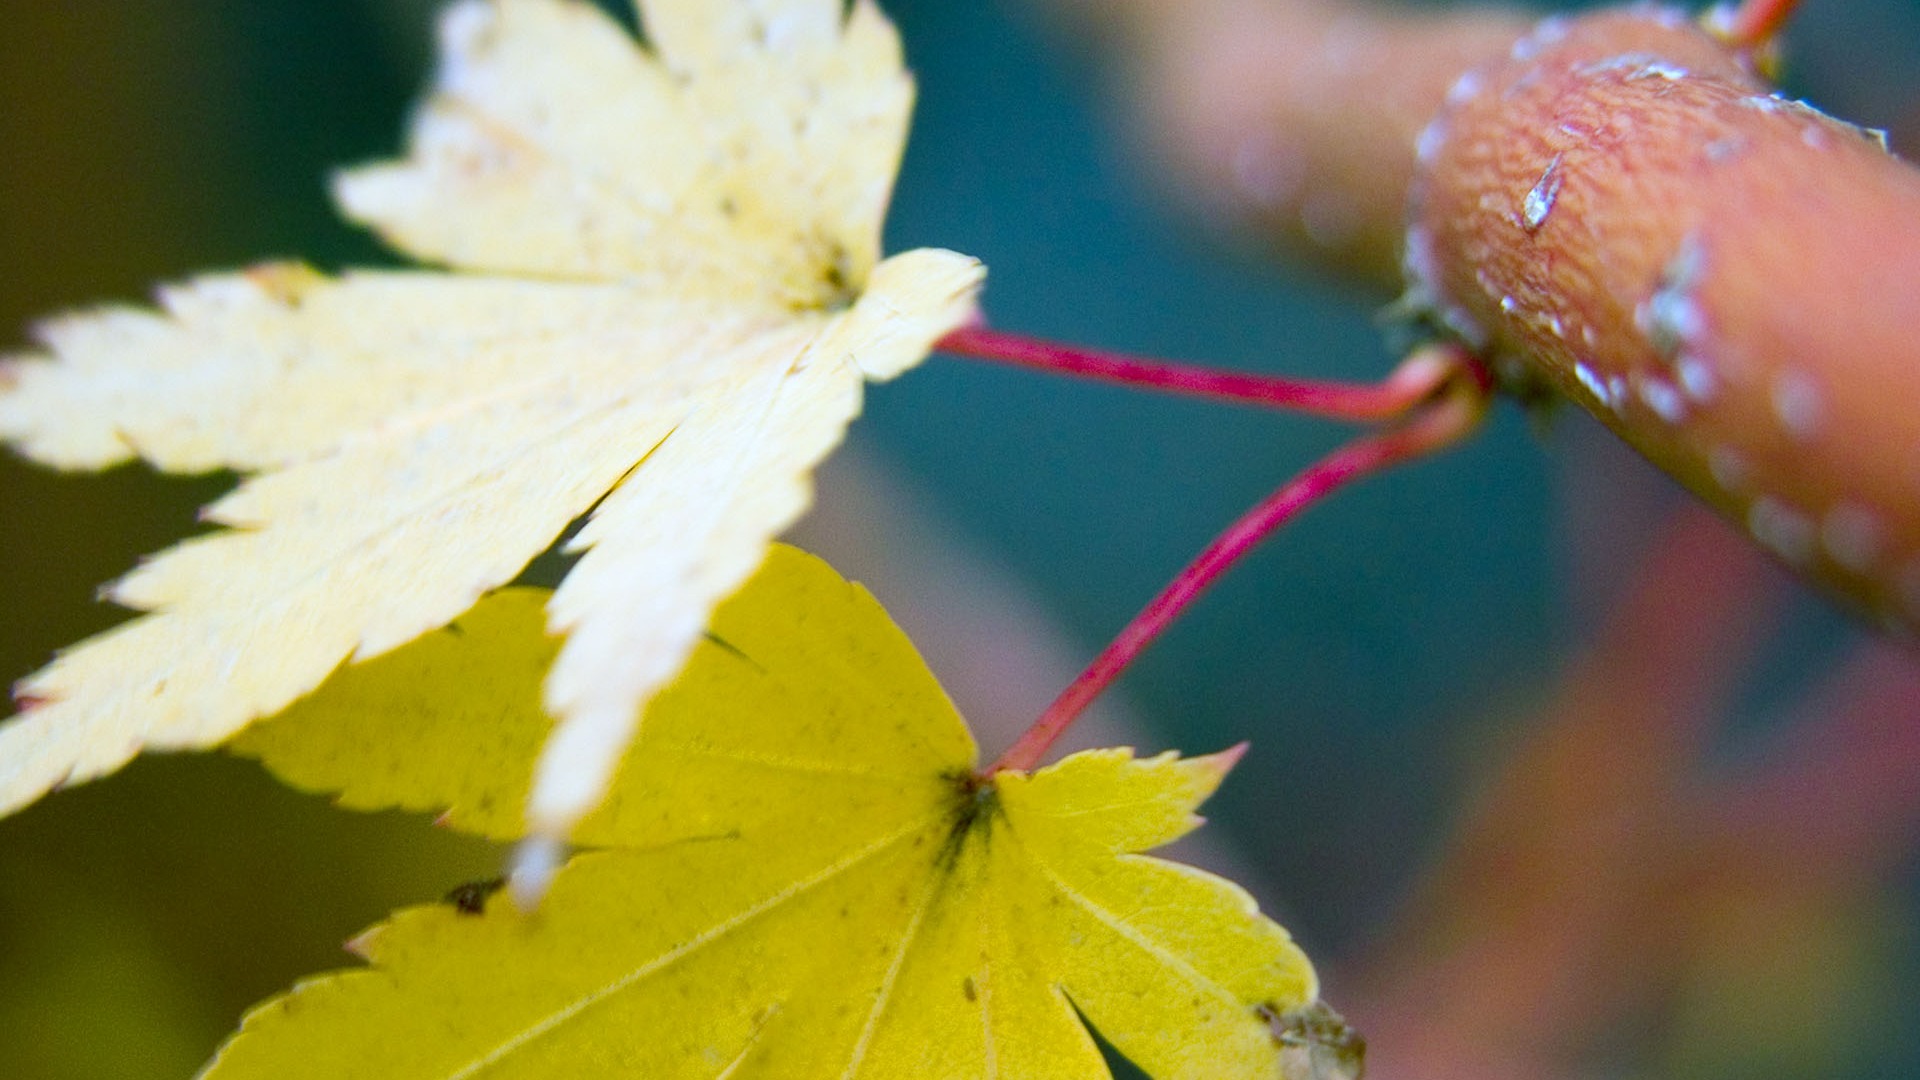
[(1369, 653)]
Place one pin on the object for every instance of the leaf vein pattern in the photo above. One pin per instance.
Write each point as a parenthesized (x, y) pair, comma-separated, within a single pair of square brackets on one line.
[(712, 248), (885, 996), (586, 1001), (1126, 931), (753, 1040), (989, 913), (485, 473)]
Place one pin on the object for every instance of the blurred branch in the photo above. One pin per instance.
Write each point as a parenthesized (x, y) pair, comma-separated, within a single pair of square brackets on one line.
[(1295, 118), (1606, 855)]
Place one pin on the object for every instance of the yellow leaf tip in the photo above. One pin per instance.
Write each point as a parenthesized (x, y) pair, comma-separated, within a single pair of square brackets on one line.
[(1224, 761), (362, 944)]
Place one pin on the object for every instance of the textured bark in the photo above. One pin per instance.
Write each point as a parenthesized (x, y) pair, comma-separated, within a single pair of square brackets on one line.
[(1297, 118), (1613, 208), (1622, 211)]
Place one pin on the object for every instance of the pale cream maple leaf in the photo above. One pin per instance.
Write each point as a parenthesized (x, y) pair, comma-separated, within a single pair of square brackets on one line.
[(666, 294)]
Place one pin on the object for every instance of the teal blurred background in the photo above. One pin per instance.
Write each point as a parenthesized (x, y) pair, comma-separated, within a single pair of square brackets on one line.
[(1371, 653)]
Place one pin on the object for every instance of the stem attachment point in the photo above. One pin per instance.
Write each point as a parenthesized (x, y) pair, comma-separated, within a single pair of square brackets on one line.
[(1441, 420)]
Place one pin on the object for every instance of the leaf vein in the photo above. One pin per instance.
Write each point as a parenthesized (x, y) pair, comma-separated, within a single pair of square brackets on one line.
[(885, 996), (1119, 925), (574, 1008)]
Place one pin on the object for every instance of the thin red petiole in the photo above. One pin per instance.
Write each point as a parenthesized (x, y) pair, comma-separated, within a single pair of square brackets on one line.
[(1753, 23), (1442, 422), (1411, 383)]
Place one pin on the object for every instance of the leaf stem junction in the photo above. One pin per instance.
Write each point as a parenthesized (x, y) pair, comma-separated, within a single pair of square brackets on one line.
[(1433, 400)]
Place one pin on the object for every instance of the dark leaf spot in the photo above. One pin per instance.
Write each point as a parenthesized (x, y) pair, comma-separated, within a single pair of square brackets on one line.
[(470, 898)]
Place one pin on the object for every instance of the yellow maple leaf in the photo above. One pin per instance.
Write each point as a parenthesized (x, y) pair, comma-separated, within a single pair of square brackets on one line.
[(802, 877), (669, 294)]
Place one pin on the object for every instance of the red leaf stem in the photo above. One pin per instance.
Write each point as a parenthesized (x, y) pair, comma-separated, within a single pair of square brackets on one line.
[(1754, 23), (1412, 382), (1435, 426)]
